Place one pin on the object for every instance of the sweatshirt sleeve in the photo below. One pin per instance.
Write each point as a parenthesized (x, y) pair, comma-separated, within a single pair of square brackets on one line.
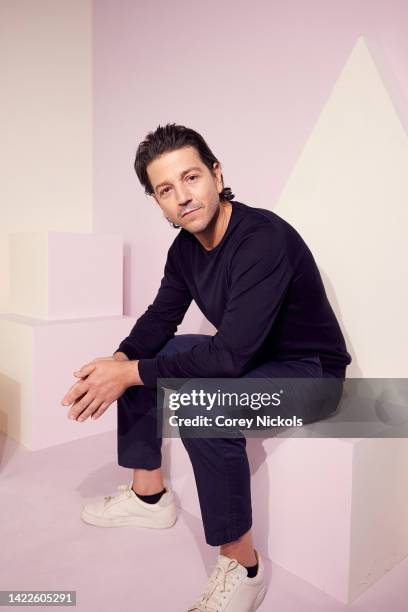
[(259, 276), (160, 321)]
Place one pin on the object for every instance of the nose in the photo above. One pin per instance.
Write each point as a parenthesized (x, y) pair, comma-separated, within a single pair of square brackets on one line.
[(182, 194)]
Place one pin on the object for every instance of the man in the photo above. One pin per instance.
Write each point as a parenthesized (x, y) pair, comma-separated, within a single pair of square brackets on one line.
[(255, 279)]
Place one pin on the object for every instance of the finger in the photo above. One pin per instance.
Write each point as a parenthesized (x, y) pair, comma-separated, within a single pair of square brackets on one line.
[(90, 410), (85, 370), (101, 410), (71, 414), (78, 389), (81, 405)]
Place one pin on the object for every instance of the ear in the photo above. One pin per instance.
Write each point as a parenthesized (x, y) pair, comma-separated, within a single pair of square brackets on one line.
[(217, 170)]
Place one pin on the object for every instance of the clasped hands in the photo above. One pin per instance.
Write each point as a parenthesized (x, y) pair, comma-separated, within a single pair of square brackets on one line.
[(100, 383)]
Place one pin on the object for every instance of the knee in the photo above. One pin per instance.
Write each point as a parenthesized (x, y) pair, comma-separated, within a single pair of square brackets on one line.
[(181, 342)]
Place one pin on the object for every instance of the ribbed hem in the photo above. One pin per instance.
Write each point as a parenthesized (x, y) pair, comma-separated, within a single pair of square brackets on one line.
[(148, 372), (126, 348)]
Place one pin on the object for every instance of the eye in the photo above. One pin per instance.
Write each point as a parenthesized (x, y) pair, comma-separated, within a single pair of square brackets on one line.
[(192, 176), (164, 191)]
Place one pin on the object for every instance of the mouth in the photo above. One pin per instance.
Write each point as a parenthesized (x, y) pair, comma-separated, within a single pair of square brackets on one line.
[(189, 212)]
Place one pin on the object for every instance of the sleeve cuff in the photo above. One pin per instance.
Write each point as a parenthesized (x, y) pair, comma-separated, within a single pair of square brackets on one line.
[(126, 348), (148, 372)]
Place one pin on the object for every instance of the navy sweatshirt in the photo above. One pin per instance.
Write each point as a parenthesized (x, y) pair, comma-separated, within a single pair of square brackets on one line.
[(261, 289)]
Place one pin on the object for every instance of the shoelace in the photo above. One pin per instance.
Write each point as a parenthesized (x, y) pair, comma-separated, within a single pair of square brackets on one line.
[(210, 599), (120, 488)]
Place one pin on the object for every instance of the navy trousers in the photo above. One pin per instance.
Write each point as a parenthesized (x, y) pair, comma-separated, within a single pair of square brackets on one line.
[(220, 465)]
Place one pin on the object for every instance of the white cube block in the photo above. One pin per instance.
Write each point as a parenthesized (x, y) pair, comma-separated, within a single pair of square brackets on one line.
[(331, 511), (37, 361)]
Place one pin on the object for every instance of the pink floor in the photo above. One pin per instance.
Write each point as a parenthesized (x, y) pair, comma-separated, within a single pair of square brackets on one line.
[(45, 545)]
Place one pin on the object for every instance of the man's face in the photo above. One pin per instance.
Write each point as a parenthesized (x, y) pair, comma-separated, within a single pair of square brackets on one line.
[(181, 183)]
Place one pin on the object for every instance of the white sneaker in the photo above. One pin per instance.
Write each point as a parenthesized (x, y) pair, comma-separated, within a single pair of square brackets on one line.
[(230, 590), (126, 508)]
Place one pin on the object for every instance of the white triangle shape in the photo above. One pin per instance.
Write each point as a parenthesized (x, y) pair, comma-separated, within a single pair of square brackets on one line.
[(348, 197)]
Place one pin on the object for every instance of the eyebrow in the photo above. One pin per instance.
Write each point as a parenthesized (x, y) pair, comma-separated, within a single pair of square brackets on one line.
[(181, 176)]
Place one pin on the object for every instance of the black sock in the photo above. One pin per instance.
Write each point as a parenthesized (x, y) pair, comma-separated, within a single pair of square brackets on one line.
[(252, 570), (150, 499)]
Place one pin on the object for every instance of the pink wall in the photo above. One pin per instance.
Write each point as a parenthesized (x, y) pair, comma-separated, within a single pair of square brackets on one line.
[(252, 78)]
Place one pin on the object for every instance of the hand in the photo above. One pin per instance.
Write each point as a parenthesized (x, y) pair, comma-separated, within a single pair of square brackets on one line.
[(101, 382)]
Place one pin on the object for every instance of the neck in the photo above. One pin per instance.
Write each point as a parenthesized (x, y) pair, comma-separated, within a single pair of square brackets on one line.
[(217, 228)]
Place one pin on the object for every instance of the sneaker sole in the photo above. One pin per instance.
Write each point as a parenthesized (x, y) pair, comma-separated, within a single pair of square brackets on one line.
[(131, 521), (259, 599)]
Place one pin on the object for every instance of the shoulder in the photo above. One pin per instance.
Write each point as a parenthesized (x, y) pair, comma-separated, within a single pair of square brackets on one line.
[(183, 240), (178, 243), (260, 228), (263, 218), (265, 240)]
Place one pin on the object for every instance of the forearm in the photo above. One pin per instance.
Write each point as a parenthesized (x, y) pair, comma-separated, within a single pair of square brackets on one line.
[(119, 356), (160, 321)]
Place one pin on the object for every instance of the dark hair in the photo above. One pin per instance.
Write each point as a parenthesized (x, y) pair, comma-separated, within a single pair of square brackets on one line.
[(169, 138)]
